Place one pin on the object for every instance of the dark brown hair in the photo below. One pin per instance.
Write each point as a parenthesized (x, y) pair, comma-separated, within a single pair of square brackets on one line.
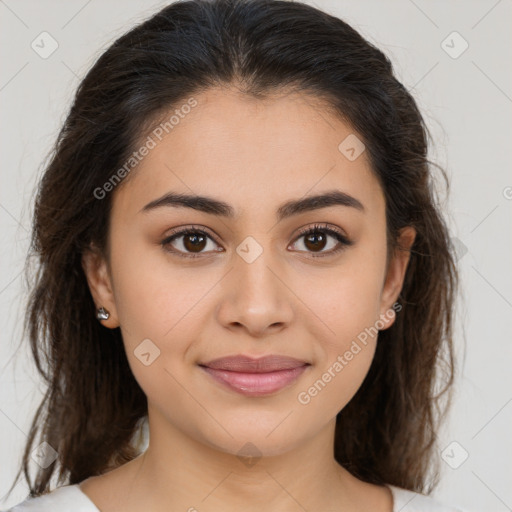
[(93, 404)]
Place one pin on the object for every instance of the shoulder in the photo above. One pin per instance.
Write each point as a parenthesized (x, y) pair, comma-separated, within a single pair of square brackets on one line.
[(409, 501), (63, 499)]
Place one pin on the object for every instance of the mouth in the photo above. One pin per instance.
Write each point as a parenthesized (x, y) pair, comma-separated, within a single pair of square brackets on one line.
[(255, 377)]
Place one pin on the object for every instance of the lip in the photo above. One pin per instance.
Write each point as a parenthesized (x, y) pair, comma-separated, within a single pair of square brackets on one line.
[(255, 377), (247, 364)]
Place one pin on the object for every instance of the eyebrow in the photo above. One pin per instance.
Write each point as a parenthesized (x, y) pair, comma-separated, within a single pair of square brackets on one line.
[(288, 209)]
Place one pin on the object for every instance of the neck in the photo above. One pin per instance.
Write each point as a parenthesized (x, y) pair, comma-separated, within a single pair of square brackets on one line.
[(177, 472)]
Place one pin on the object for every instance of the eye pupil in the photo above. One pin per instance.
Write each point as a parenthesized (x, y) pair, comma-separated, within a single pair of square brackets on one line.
[(315, 237), (194, 242)]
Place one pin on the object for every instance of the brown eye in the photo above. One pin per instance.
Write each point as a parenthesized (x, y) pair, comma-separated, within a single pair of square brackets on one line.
[(316, 239), (194, 242), (188, 243)]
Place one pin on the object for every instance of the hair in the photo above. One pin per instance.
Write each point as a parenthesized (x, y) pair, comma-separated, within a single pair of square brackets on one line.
[(93, 405)]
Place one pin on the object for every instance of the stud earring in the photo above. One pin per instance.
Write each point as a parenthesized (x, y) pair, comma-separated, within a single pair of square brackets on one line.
[(102, 314)]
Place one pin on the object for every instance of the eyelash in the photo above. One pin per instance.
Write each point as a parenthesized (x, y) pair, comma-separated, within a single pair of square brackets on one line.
[(317, 228)]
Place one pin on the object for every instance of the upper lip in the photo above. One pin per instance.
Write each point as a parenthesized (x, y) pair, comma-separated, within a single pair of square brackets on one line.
[(245, 364)]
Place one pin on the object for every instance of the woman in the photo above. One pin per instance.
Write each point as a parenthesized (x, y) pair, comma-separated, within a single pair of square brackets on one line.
[(239, 243)]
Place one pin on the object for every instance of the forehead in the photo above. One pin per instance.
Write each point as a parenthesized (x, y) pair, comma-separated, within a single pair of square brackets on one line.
[(249, 151)]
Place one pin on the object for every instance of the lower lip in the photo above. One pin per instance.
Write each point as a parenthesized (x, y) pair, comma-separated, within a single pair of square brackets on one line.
[(256, 384)]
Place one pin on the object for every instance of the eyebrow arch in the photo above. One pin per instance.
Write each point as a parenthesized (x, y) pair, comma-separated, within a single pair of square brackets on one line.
[(288, 209)]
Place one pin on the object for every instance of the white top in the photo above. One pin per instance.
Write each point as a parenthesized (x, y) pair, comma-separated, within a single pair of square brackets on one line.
[(70, 498)]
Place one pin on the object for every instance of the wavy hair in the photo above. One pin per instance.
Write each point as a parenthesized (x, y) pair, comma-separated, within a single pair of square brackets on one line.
[(92, 408)]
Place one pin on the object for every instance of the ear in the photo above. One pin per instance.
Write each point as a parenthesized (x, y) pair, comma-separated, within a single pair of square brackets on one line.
[(395, 276), (98, 277)]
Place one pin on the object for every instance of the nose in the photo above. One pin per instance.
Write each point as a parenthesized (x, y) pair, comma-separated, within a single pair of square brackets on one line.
[(256, 297)]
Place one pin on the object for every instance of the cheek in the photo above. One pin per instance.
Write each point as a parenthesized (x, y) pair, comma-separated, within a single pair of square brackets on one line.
[(337, 377), (344, 326), (162, 309), (345, 302), (154, 297)]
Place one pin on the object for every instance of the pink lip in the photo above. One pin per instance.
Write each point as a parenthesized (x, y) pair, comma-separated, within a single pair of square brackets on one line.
[(255, 377)]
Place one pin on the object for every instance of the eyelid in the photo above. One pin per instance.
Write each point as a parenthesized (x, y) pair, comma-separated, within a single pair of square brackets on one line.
[(324, 227), (190, 228), (343, 240)]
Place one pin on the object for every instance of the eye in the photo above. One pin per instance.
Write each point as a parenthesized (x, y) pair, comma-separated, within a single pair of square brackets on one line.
[(193, 239), (192, 242), (316, 239)]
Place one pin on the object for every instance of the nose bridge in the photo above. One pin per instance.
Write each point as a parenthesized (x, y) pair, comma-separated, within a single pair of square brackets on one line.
[(252, 273), (256, 296)]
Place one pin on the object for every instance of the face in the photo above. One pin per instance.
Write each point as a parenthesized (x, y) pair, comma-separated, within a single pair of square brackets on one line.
[(251, 281)]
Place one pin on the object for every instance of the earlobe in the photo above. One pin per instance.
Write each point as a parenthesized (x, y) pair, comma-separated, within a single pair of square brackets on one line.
[(98, 278), (396, 275)]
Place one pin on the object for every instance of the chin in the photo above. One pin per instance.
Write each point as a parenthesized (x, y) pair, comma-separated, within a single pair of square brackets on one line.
[(250, 449), (250, 441)]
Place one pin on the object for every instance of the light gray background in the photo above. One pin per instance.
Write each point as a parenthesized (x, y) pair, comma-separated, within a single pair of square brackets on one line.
[(467, 104)]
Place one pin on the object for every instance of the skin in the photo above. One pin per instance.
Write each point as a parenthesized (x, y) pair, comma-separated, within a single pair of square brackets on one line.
[(254, 155)]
